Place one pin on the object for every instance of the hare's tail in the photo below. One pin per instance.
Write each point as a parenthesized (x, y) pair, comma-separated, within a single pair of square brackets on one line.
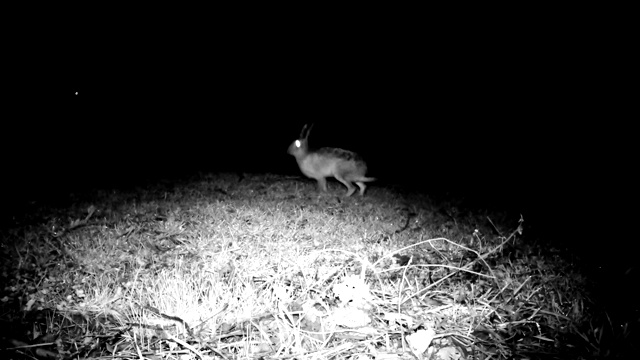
[(367, 179)]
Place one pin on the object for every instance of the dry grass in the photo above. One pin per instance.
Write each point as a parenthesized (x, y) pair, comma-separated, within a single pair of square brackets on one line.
[(252, 266)]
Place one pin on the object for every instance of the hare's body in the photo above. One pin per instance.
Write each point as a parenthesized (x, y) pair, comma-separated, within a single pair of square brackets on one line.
[(346, 166)]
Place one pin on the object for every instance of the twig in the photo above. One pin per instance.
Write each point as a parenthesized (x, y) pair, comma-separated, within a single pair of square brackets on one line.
[(187, 346)]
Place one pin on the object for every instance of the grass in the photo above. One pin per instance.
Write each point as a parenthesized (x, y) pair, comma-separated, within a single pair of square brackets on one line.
[(262, 266)]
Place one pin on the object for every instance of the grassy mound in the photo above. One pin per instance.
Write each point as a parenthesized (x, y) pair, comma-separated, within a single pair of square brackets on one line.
[(262, 266)]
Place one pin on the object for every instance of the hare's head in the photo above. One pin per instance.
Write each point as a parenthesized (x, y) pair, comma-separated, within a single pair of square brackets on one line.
[(300, 147)]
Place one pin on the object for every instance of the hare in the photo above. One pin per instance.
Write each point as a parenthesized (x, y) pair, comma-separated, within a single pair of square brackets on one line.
[(346, 166)]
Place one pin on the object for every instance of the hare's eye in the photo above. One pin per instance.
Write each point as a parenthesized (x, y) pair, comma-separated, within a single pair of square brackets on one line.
[(298, 143)]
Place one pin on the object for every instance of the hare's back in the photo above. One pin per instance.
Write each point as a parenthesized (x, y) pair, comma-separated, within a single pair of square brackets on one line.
[(346, 163)]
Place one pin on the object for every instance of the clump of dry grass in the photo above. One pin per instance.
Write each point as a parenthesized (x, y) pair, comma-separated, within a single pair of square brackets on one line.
[(230, 266)]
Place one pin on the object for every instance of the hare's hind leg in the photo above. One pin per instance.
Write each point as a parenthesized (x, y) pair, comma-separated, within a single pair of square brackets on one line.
[(362, 187), (350, 188)]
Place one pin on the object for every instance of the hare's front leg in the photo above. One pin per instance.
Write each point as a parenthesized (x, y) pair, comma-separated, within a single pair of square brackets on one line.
[(322, 184)]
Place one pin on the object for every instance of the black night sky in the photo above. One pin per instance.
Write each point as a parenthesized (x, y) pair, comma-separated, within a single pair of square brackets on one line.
[(523, 118)]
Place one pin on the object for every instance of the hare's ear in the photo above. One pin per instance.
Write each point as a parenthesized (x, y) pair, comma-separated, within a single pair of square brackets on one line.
[(304, 134)]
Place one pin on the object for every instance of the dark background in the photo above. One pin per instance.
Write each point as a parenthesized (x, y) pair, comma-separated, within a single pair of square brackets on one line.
[(525, 114)]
